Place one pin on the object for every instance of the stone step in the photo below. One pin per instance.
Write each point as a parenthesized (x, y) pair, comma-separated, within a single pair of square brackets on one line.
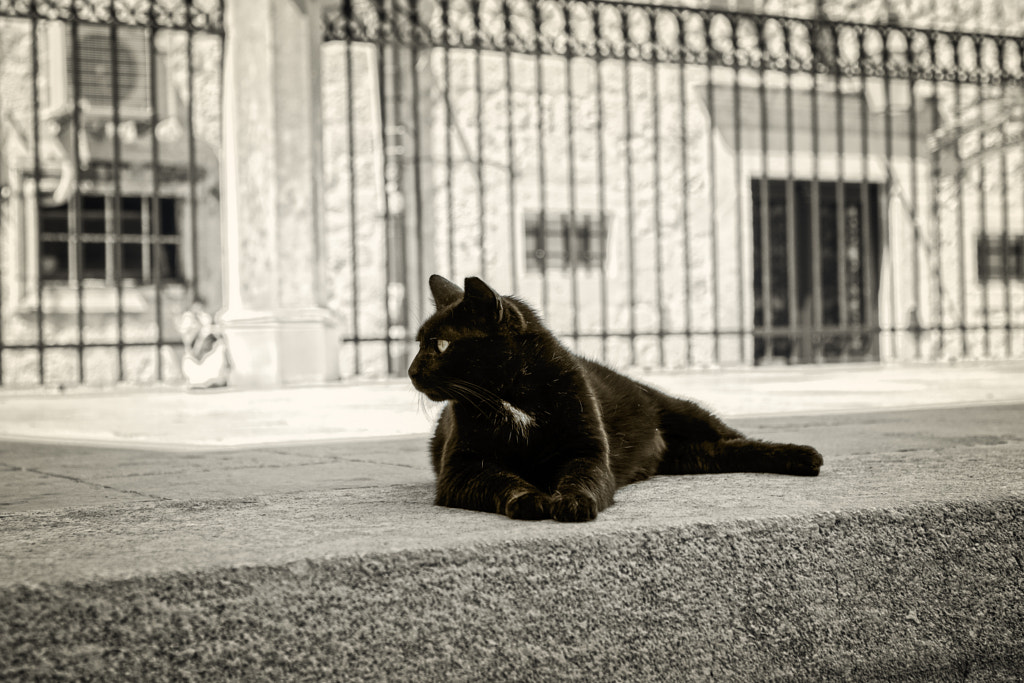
[(902, 561)]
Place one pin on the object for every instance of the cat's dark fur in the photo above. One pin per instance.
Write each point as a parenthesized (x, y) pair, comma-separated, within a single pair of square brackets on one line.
[(533, 431)]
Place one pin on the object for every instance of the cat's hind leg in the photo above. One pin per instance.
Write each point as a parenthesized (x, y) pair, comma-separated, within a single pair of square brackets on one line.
[(740, 455), (698, 442)]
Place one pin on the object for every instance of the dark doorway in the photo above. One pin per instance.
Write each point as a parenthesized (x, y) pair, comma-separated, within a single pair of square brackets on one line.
[(801, 318)]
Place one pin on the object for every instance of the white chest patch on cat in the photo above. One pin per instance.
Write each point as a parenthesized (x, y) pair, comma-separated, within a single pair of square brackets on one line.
[(521, 420)]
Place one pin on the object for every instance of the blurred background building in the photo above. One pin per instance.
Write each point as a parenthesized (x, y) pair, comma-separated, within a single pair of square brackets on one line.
[(733, 182)]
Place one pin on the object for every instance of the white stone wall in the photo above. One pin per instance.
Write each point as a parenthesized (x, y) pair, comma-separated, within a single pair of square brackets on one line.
[(99, 301), (704, 284)]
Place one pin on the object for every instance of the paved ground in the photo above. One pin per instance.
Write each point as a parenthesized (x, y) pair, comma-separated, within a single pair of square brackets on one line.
[(172, 418), (138, 512), (132, 521), (890, 435), (88, 448)]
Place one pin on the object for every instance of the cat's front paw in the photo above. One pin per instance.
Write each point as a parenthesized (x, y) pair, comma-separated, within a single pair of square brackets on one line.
[(574, 506), (804, 461), (528, 505)]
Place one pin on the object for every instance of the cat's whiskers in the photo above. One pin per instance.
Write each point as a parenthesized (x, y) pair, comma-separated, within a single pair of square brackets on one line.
[(476, 395), (422, 403), (519, 420)]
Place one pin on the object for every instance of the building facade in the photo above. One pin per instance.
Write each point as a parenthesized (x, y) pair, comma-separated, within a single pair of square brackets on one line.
[(673, 186)]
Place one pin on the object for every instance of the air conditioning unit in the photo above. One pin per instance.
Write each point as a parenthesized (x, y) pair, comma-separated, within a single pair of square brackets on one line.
[(88, 61)]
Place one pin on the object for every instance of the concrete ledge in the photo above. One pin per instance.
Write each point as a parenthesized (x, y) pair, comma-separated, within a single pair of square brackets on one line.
[(931, 592), (902, 561), (283, 347)]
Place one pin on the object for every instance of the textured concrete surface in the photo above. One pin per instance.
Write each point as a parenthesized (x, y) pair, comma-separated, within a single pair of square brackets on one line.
[(250, 507), (172, 418), (925, 593), (242, 550)]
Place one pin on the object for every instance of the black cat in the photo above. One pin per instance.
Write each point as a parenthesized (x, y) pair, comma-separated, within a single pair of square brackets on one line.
[(533, 431)]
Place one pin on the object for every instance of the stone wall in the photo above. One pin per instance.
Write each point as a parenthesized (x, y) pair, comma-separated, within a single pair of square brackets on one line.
[(99, 300), (678, 259)]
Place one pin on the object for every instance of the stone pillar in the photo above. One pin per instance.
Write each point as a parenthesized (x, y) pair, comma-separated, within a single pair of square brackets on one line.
[(277, 327)]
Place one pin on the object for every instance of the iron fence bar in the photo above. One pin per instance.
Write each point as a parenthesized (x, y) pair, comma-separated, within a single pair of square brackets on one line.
[(193, 209), (538, 58), (961, 224), (867, 261), (478, 86), (817, 304), (658, 251), (602, 188), (684, 115), (573, 243), (75, 212), (793, 303), (842, 276), (1004, 216), (936, 215), (862, 329), (387, 83), (915, 322), (153, 249), (71, 346), (37, 177), (885, 225), (584, 335), (114, 247), (983, 230), (1006, 230), (865, 311), (627, 95), (4, 197), (712, 165), (767, 311), (352, 206), (1005, 219), (511, 149), (418, 276), (448, 152), (737, 132)]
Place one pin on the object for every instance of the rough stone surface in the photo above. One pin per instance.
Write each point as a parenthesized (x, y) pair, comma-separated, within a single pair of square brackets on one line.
[(325, 559)]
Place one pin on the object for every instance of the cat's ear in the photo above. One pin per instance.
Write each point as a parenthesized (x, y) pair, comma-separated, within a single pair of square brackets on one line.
[(445, 292), (485, 299)]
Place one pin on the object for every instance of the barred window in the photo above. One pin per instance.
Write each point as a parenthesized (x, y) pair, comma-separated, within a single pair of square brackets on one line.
[(562, 241), (1000, 257), (134, 244)]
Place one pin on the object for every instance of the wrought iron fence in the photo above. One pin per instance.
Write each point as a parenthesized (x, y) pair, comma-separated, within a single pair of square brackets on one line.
[(673, 187), (678, 187), (109, 122)]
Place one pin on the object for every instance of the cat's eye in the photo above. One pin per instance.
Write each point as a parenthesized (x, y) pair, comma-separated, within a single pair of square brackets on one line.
[(441, 345)]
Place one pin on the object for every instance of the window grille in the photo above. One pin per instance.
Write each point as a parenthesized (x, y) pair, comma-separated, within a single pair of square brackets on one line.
[(562, 241), (131, 251), (1000, 257)]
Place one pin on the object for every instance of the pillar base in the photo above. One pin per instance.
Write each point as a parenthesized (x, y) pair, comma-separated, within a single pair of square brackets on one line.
[(278, 348)]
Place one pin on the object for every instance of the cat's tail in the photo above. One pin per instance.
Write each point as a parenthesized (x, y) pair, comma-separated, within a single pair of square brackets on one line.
[(698, 442)]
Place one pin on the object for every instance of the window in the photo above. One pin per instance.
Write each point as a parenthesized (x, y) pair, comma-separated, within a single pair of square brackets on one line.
[(1000, 257), (95, 60), (89, 60), (132, 244), (560, 241)]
